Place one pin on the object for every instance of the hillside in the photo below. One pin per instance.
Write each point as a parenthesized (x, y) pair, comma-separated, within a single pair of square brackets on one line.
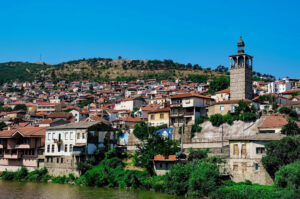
[(101, 69)]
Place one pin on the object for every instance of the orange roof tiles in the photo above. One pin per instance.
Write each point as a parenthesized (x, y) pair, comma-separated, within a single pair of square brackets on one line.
[(274, 121)]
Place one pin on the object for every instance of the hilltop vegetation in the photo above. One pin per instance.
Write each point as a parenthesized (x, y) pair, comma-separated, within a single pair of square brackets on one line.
[(105, 69)]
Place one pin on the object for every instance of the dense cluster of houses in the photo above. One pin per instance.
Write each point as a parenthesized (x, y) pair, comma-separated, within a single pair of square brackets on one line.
[(65, 122)]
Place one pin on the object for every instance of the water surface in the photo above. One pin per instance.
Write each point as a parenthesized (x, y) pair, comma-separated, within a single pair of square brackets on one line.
[(25, 190)]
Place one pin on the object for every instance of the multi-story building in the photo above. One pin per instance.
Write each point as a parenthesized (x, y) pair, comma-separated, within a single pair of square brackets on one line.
[(245, 158), (70, 143), (48, 107), (21, 147), (159, 117), (129, 103), (185, 108)]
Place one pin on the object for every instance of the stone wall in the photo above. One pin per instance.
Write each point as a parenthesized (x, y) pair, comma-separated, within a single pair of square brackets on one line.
[(59, 166), (241, 83)]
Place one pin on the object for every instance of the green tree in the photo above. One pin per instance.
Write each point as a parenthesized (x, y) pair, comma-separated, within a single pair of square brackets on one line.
[(218, 83), (288, 176), (280, 153), (291, 128), (216, 119), (20, 107), (152, 144), (2, 125)]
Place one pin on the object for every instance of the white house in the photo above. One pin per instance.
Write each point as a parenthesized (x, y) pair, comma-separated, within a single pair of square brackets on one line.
[(129, 104), (70, 143)]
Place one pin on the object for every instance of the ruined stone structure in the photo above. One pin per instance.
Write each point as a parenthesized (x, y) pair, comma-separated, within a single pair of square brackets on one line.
[(241, 74)]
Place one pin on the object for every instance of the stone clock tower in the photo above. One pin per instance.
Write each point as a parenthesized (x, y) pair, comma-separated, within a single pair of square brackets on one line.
[(241, 74)]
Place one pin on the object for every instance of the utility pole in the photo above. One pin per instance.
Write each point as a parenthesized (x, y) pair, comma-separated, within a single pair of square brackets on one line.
[(181, 144), (222, 140)]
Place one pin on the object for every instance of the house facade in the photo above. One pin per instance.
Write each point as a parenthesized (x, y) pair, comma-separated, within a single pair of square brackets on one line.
[(21, 147), (68, 144)]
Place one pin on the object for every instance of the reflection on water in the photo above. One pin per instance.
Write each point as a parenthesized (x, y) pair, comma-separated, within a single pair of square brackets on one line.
[(22, 190)]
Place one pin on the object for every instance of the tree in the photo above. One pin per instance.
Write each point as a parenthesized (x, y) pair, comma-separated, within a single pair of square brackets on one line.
[(218, 83), (152, 144), (221, 68), (288, 176), (291, 128), (20, 107), (280, 153), (197, 154), (2, 125), (216, 119)]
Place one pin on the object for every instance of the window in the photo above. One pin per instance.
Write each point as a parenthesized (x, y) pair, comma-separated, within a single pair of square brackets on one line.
[(256, 166), (61, 160), (71, 135), (222, 108), (235, 166), (83, 135), (66, 135), (161, 116), (53, 135), (48, 148), (49, 136), (66, 148), (71, 148), (152, 117), (260, 150), (57, 160), (78, 136), (244, 149), (235, 149), (58, 148), (52, 148), (233, 108)]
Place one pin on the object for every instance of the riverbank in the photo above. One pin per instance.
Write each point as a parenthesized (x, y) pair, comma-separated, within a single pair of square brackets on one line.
[(196, 178)]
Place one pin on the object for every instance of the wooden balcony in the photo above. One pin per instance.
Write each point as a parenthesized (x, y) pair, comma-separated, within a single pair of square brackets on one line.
[(12, 156), (22, 146)]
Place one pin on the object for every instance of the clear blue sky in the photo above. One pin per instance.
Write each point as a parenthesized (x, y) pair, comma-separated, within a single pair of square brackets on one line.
[(197, 32)]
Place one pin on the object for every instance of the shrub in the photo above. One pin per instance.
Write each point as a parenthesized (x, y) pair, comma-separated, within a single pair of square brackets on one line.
[(21, 174), (228, 118), (288, 176), (248, 117), (216, 119), (60, 179), (284, 110), (8, 175), (197, 154), (37, 175), (97, 176)]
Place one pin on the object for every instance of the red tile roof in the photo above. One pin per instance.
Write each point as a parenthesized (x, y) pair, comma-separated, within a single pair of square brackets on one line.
[(227, 90), (274, 121), (25, 131), (161, 110), (184, 95)]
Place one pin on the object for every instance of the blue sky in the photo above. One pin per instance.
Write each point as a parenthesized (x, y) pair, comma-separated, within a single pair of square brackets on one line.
[(197, 32)]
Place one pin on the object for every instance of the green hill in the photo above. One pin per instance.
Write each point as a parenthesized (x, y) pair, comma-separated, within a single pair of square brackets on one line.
[(103, 69)]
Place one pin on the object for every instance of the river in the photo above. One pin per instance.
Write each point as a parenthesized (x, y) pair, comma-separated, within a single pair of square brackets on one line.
[(25, 190)]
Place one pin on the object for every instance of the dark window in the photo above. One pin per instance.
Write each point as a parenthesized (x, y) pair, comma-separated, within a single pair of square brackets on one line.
[(260, 150), (61, 160), (53, 148), (66, 148), (48, 148)]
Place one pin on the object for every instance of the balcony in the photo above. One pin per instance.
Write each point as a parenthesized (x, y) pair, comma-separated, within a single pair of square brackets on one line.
[(22, 146), (178, 114), (188, 113), (12, 156), (76, 153), (175, 105)]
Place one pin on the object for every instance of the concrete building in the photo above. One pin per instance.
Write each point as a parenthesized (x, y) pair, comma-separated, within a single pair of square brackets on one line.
[(129, 104), (70, 143), (241, 74), (159, 117), (245, 158), (187, 107)]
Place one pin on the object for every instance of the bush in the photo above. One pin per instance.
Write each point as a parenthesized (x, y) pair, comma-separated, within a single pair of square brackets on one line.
[(21, 174), (284, 110), (197, 154), (248, 117), (242, 191), (60, 179), (8, 175), (216, 119), (38, 175), (228, 118), (288, 176)]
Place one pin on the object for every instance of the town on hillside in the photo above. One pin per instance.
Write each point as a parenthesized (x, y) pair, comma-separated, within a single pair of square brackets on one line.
[(61, 124)]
